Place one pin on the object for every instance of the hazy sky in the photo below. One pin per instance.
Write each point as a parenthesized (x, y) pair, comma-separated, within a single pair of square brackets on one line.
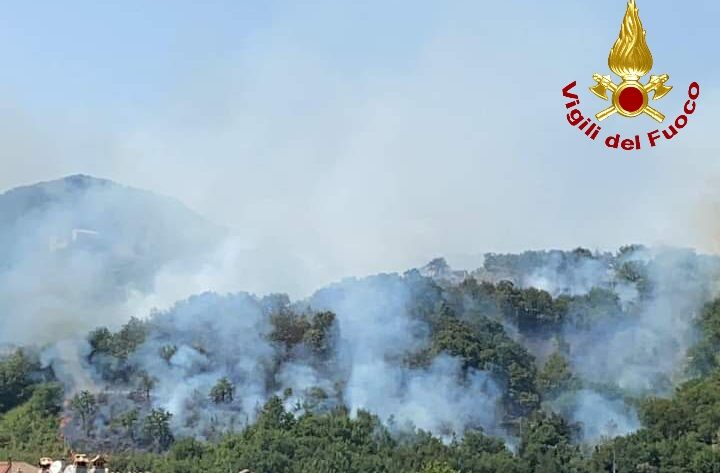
[(344, 138)]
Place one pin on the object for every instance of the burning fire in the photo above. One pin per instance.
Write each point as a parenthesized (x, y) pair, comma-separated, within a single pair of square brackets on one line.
[(630, 57), (65, 421)]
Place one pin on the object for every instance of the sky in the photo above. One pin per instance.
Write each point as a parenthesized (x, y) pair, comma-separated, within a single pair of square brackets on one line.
[(345, 138)]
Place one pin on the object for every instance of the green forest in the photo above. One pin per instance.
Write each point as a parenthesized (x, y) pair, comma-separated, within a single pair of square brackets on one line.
[(517, 351)]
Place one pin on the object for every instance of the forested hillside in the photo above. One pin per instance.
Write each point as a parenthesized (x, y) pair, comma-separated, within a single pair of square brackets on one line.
[(540, 362)]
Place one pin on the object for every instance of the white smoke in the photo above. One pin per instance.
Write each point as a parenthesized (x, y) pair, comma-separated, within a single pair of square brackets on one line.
[(57, 283), (599, 416), (644, 351), (215, 337), (225, 336), (81, 252), (377, 330)]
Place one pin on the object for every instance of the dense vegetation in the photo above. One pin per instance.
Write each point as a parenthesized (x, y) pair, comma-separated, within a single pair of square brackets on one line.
[(490, 321)]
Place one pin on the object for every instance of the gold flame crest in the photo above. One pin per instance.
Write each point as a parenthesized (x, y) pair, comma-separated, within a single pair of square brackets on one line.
[(630, 58)]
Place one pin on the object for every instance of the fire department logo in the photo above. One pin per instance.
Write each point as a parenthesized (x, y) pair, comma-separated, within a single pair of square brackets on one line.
[(630, 58)]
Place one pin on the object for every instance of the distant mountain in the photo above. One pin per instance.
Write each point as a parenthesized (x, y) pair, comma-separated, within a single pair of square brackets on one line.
[(84, 245), (98, 215)]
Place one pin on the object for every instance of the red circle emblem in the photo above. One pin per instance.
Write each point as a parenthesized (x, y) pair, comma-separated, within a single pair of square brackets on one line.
[(631, 99)]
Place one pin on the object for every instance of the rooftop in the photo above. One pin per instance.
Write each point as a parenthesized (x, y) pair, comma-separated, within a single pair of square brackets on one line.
[(17, 467)]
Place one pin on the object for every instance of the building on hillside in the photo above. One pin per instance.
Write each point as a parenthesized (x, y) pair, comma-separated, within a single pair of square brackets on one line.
[(45, 464), (78, 238), (81, 463)]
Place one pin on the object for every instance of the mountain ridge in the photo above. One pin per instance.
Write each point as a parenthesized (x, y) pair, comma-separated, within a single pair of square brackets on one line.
[(84, 246)]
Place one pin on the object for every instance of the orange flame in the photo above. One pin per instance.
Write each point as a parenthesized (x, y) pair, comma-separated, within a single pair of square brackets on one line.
[(630, 57)]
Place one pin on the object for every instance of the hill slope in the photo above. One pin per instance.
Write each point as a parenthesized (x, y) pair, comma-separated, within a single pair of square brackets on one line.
[(80, 246)]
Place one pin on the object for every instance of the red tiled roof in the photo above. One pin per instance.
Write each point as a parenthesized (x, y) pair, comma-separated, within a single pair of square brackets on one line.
[(16, 467)]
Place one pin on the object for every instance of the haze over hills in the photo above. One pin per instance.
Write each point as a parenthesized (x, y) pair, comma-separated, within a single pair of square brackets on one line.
[(131, 222), (576, 341), (75, 248)]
